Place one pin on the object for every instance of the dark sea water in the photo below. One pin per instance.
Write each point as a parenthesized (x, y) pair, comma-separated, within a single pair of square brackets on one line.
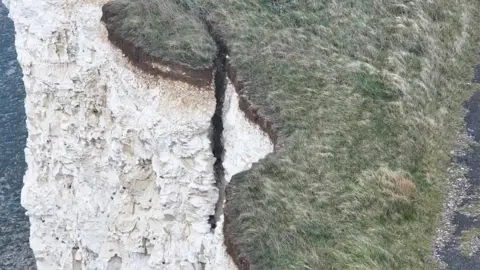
[(14, 227)]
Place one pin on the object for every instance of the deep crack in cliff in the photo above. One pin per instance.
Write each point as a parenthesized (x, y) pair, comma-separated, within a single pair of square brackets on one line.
[(220, 85), (225, 78)]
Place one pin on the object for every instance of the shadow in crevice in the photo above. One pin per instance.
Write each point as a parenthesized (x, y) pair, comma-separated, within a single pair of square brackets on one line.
[(220, 81)]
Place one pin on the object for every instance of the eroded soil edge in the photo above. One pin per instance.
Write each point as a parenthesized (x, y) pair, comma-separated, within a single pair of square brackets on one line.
[(197, 76)]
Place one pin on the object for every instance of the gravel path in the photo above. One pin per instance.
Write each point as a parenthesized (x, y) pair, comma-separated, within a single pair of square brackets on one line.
[(458, 243)]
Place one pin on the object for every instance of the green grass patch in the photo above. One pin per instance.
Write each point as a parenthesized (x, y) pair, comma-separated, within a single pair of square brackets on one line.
[(466, 238), (472, 208), (369, 97), (373, 87)]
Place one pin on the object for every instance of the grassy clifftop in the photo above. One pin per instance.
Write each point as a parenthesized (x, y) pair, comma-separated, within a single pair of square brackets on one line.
[(164, 29), (367, 97)]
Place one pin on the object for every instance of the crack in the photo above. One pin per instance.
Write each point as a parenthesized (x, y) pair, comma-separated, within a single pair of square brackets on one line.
[(257, 115), (220, 84)]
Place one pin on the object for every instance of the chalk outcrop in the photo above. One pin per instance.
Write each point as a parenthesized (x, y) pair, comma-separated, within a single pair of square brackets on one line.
[(120, 164)]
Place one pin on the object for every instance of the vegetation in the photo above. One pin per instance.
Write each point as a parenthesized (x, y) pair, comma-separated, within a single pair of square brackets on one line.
[(163, 29), (467, 241), (472, 208), (368, 95)]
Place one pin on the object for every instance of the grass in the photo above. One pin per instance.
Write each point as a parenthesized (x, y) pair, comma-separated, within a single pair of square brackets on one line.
[(466, 241), (472, 208), (368, 95), (164, 29)]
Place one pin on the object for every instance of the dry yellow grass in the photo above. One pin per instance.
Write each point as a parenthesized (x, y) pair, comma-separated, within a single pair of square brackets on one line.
[(392, 184)]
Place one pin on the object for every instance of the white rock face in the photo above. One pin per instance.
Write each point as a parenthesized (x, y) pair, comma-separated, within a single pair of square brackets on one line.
[(120, 166), (244, 142)]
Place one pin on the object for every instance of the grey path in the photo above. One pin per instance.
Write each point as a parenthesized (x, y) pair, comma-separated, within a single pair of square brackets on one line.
[(462, 250), (15, 253)]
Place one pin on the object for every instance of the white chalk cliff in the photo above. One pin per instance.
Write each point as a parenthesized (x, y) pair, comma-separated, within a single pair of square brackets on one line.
[(120, 164)]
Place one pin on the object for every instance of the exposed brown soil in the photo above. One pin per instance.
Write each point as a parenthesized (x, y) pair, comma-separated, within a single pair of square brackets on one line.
[(197, 76)]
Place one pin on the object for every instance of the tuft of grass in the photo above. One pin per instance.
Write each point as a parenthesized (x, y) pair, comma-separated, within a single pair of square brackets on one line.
[(373, 87), (467, 238), (472, 208), (368, 95)]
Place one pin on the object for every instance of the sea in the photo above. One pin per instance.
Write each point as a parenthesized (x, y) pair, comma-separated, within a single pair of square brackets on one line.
[(15, 253)]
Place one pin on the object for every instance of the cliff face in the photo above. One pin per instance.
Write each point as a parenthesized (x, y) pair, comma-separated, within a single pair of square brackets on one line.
[(120, 164)]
